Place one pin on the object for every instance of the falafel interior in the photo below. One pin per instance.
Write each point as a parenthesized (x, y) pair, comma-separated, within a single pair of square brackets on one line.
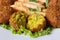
[(18, 19), (36, 22)]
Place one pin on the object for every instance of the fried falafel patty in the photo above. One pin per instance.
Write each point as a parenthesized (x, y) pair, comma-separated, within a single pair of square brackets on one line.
[(54, 3), (5, 10), (18, 19), (6, 2), (53, 13), (5, 13), (36, 22)]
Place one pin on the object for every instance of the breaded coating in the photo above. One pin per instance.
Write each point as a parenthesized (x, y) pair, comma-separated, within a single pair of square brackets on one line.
[(5, 13), (7, 2), (53, 13), (5, 10)]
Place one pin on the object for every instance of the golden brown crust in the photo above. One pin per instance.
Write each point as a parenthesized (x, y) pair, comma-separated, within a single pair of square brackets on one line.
[(54, 3), (13, 23), (53, 16), (7, 2), (5, 10), (5, 13), (53, 13)]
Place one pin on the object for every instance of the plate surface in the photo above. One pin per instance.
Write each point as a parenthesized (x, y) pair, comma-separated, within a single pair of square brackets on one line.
[(7, 35)]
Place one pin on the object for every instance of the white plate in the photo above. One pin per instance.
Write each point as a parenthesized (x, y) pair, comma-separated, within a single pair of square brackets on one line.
[(7, 35)]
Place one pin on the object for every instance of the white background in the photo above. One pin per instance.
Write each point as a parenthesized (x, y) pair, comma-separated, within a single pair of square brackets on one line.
[(7, 35)]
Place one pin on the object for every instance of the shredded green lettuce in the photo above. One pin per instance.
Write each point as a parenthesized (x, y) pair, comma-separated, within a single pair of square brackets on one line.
[(6, 26), (47, 3), (25, 31)]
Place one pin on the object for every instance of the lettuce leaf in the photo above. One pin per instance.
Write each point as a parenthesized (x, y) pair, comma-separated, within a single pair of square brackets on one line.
[(25, 31)]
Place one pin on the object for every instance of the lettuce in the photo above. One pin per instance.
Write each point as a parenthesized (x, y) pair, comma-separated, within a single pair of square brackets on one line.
[(25, 31)]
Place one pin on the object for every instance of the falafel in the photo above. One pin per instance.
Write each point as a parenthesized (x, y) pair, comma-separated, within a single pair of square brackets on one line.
[(5, 10), (5, 13), (36, 22), (18, 19), (7, 2), (53, 15)]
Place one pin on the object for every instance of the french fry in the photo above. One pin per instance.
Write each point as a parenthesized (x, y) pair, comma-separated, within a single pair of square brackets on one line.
[(20, 7), (41, 0), (24, 0), (23, 6)]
